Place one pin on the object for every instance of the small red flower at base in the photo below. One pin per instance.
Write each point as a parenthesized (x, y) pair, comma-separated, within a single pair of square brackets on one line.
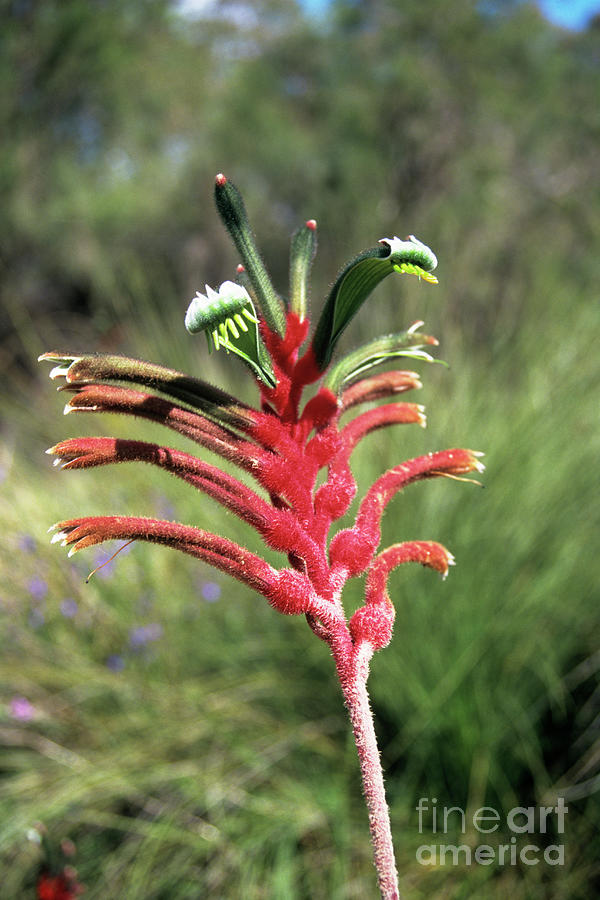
[(58, 887)]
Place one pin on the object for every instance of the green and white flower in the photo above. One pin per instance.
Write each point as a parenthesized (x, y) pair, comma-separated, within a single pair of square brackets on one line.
[(228, 317)]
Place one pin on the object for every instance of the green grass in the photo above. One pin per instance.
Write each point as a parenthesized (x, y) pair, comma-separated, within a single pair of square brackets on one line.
[(216, 763)]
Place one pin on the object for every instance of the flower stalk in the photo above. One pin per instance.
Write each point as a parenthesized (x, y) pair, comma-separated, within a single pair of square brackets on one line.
[(297, 453)]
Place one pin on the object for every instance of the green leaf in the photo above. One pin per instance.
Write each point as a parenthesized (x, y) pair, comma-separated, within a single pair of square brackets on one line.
[(358, 279)]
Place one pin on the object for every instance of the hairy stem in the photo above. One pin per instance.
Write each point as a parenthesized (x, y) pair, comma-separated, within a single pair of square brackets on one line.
[(361, 717)]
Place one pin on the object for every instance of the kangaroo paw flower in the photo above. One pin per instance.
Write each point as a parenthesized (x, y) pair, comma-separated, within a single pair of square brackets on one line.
[(296, 451)]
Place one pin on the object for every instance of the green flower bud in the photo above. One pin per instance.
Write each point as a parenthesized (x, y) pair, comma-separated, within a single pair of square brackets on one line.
[(230, 207), (302, 253), (228, 317), (357, 281), (409, 344)]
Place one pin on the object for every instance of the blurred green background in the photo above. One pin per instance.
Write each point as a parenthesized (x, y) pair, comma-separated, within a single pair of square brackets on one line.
[(190, 741)]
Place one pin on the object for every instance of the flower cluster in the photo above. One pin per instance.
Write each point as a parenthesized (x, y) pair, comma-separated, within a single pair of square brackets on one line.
[(283, 443)]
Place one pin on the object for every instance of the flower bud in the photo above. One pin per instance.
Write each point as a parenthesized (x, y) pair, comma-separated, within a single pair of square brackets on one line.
[(374, 624), (230, 207), (302, 253)]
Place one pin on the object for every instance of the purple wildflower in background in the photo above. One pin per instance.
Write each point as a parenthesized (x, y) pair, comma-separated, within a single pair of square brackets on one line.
[(37, 587), (211, 591), (164, 508), (115, 662), (103, 564), (145, 603), (21, 709), (68, 608), (144, 634), (27, 543)]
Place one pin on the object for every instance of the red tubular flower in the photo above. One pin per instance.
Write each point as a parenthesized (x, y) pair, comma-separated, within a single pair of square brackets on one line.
[(211, 436), (378, 387), (217, 551), (284, 445)]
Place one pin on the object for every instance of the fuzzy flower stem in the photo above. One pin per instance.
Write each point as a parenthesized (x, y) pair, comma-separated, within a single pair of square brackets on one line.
[(279, 528), (391, 414), (356, 697), (232, 210), (104, 367), (84, 453), (335, 496), (446, 462)]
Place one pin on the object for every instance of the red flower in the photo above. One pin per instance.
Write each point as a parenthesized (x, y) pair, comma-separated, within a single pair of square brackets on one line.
[(58, 887)]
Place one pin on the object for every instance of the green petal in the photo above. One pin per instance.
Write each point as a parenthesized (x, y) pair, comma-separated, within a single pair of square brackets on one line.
[(356, 281)]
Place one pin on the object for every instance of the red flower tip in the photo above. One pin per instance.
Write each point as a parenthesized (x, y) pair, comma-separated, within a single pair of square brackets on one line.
[(428, 553), (312, 224), (220, 179), (373, 624), (240, 268)]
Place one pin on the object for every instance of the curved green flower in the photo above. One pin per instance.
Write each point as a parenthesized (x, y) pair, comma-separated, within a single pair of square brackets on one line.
[(228, 317), (359, 278)]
